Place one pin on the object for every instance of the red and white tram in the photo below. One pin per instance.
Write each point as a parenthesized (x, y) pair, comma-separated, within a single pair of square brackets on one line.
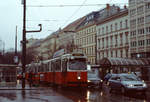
[(65, 70)]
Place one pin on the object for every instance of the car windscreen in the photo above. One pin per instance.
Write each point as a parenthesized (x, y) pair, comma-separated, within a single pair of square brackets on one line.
[(129, 78), (77, 64), (92, 74)]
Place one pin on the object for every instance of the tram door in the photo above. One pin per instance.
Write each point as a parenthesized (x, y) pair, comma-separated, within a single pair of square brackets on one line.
[(64, 70), (53, 72)]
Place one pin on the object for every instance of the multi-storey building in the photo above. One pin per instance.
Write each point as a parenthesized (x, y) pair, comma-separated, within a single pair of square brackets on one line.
[(113, 32), (48, 46), (43, 48), (67, 35), (139, 14), (85, 36)]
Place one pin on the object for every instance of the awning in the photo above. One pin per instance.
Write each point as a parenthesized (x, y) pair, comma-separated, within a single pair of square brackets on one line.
[(124, 62)]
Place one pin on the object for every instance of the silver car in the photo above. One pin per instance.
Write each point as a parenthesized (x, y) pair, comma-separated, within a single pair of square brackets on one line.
[(94, 79), (127, 83)]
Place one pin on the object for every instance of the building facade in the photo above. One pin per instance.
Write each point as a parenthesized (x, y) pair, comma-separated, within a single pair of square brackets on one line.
[(113, 33), (139, 14), (67, 36), (85, 37)]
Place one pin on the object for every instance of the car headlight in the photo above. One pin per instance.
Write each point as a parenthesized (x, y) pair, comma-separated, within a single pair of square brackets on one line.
[(129, 85), (101, 80), (144, 85), (89, 81)]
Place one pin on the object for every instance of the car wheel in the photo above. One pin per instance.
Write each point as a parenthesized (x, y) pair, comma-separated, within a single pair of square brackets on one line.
[(122, 90), (144, 93), (110, 90)]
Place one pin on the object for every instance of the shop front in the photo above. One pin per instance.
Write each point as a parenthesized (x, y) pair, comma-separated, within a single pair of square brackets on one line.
[(140, 67)]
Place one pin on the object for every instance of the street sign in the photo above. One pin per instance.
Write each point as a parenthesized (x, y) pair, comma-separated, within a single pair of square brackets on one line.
[(22, 2), (16, 59)]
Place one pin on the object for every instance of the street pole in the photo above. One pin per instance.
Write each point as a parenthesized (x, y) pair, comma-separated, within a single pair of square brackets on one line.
[(16, 42), (24, 45), (24, 42), (96, 49)]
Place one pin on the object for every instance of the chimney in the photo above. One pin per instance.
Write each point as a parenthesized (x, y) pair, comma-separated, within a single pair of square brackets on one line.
[(125, 7), (107, 6), (118, 9)]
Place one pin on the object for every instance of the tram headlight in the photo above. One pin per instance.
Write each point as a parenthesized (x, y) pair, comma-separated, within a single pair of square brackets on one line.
[(79, 77)]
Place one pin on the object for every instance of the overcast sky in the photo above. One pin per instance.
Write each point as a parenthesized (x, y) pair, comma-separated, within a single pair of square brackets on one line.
[(11, 15)]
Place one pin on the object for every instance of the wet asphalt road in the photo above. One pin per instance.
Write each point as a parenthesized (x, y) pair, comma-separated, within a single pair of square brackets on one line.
[(48, 94)]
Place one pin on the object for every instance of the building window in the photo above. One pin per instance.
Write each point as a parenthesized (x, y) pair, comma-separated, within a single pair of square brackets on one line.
[(132, 12), (121, 25), (103, 42), (126, 23), (111, 53), (116, 37), (99, 44), (127, 53), (133, 22), (107, 54), (111, 40), (107, 42), (147, 6), (140, 20), (140, 9), (121, 40), (121, 53), (141, 42), (133, 44), (148, 41), (141, 31), (116, 53), (106, 29), (126, 33), (111, 27), (147, 19), (115, 26), (133, 33), (103, 30), (147, 29), (99, 31)]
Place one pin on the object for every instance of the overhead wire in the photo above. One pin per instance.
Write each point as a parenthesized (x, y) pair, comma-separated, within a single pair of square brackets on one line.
[(74, 13), (72, 5)]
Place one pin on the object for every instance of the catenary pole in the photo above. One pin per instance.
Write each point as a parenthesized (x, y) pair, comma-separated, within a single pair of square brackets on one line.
[(24, 45), (24, 42)]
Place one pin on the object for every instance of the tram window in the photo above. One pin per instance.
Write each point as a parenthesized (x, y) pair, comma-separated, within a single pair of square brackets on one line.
[(53, 66), (44, 67), (58, 65), (49, 67), (77, 64), (64, 65)]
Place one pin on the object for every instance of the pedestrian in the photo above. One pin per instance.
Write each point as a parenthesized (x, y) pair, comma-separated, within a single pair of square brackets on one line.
[(30, 79)]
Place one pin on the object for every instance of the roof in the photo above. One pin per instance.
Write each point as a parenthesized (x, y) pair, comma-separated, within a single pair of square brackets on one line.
[(59, 53), (72, 26), (124, 62)]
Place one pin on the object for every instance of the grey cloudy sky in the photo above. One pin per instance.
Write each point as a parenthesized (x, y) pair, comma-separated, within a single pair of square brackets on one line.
[(11, 15)]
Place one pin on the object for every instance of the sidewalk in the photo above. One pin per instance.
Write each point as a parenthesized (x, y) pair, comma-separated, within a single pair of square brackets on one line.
[(16, 86)]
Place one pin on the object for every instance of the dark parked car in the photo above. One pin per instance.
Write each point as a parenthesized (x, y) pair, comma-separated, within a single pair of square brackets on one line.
[(126, 83), (94, 79)]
